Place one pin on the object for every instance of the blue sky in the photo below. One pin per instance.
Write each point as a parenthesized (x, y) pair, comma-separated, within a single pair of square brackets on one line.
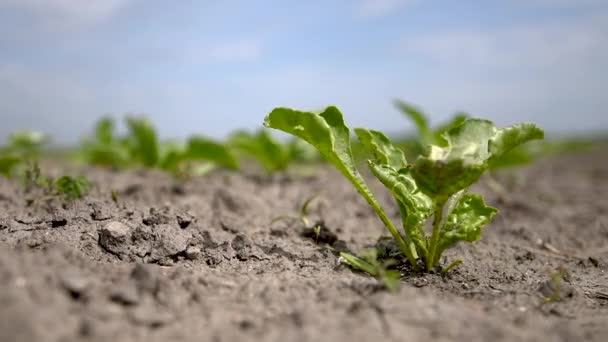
[(214, 66)]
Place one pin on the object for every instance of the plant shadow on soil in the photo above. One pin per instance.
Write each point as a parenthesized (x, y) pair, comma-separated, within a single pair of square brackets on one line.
[(199, 260)]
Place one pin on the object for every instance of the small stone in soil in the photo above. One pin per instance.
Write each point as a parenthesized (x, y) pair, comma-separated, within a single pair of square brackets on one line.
[(193, 253), (113, 235)]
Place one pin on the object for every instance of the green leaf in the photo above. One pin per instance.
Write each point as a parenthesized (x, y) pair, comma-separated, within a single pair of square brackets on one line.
[(390, 278), (106, 155), (360, 263), (104, 131), (417, 116), (507, 139), (272, 155), (328, 133), (27, 143), (518, 156), (438, 133), (385, 153), (440, 177), (415, 206), (299, 150), (172, 154), (7, 164), (201, 148), (471, 146), (465, 221), (143, 141), (72, 188)]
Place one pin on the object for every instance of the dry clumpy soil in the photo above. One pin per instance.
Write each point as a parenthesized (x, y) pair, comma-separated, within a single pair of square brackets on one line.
[(198, 260)]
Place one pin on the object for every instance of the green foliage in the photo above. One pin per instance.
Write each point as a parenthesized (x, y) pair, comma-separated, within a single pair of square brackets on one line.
[(105, 148), (434, 186), (369, 262), (426, 135), (27, 144), (7, 164), (201, 148), (142, 147), (71, 188), (33, 178), (270, 153), (23, 149), (143, 141)]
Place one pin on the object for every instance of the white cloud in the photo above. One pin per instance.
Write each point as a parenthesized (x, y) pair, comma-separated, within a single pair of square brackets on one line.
[(535, 46), (66, 14), (379, 8), (554, 74)]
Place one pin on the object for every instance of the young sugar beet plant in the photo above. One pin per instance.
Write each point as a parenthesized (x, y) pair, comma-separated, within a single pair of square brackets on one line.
[(434, 186)]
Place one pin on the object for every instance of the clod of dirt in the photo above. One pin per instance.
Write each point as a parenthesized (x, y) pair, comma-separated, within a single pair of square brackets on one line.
[(157, 216), (169, 242), (242, 247), (101, 211), (184, 219), (193, 253), (114, 237), (74, 283)]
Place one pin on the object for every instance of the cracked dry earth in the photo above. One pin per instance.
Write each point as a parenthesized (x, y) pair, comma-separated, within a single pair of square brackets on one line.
[(198, 260)]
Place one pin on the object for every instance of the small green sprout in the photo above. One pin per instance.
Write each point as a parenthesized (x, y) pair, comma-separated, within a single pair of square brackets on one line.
[(114, 195), (368, 261), (71, 188), (33, 178), (555, 284), (303, 217), (435, 186)]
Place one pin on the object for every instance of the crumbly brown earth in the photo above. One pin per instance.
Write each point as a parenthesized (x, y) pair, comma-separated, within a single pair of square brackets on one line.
[(198, 260)]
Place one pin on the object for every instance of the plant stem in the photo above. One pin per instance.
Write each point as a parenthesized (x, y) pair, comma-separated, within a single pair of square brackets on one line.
[(395, 233), (437, 217)]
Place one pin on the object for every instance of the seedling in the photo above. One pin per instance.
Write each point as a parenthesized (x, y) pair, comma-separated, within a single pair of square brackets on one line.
[(555, 284), (368, 261), (114, 195), (22, 152), (33, 178), (71, 188), (434, 186), (141, 147), (303, 217)]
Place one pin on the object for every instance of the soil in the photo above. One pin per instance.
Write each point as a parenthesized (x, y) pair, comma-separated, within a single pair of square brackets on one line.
[(198, 260)]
